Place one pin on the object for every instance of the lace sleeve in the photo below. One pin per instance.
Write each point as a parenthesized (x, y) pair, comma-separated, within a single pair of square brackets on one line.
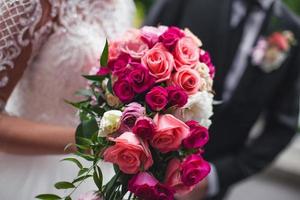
[(23, 26)]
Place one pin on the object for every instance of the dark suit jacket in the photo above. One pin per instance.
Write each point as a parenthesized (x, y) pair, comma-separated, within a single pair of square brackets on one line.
[(275, 94)]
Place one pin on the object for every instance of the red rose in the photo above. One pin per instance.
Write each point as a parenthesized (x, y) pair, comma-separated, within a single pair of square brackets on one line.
[(144, 128), (177, 96), (198, 136), (123, 90), (157, 98), (171, 36)]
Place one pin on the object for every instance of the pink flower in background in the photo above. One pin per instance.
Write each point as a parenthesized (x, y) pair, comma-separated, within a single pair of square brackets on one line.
[(279, 40), (143, 185), (186, 53), (89, 196), (129, 153), (206, 59), (151, 34), (173, 178), (114, 49), (159, 61), (140, 79), (198, 136), (194, 170), (123, 90), (169, 133), (157, 98), (144, 127), (188, 79), (170, 37), (132, 112), (177, 96), (259, 51)]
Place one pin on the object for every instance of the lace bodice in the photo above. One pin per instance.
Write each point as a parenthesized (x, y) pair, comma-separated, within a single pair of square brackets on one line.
[(64, 38)]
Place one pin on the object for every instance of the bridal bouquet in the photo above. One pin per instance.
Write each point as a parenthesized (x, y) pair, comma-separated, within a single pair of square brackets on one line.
[(147, 111)]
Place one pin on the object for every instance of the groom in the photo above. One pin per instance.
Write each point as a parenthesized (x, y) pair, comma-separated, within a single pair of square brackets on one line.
[(250, 85)]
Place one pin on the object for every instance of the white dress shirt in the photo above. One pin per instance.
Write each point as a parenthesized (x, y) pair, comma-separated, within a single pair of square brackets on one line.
[(251, 30)]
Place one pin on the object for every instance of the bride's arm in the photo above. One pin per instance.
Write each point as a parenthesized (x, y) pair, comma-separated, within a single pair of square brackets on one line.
[(17, 34)]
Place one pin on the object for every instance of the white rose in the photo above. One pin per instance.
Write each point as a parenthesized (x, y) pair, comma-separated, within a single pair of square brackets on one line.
[(110, 122), (203, 70), (199, 108)]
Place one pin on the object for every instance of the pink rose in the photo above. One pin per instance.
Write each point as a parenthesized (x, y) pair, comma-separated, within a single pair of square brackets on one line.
[(144, 128), (140, 78), (177, 96), (157, 98), (129, 153), (188, 79), (132, 112), (159, 62), (198, 136), (89, 196), (170, 37), (169, 133), (123, 89), (164, 192), (143, 186), (151, 34), (114, 49), (173, 178), (186, 53), (134, 45), (206, 59), (194, 170)]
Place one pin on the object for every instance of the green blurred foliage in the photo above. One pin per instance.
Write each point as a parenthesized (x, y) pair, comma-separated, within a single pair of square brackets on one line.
[(294, 5)]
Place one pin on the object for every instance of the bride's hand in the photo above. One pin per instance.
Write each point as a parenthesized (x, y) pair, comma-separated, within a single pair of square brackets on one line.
[(198, 193)]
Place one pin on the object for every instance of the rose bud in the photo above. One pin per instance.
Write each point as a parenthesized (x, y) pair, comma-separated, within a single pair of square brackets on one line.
[(123, 90), (157, 98), (198, 136), (194, 169), (143, 186), (144, 128), (177, 96)]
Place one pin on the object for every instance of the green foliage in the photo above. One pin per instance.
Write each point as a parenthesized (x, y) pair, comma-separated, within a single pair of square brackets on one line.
[(294, 5)]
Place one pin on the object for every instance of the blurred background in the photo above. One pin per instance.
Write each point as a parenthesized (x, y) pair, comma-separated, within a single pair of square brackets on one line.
[(282, 180)]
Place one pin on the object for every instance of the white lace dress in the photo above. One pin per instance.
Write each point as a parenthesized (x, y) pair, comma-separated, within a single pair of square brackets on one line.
[(64, 47)]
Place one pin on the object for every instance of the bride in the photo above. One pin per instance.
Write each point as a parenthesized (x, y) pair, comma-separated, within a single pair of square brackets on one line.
[(45, 45)]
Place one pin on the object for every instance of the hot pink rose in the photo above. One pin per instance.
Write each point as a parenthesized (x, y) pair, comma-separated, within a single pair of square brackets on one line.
[(188, 79), (157, 98), (151, 34), (134, 45), (159, 62), (131, 113), (169, 133), (120, 66), (194, 170), (129, 154), (114, 49), (186, 53), (198, 136), (123, 89), (177, 96), (173, 178), (144, 128), (140, 78), (170, 37), (143, 186)]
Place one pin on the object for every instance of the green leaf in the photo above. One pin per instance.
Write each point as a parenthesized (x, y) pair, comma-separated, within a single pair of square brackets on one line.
[(85, 156), (95, 78), (84, 92), (82, 171), (104, 55), (48, 197), (68, 198), (79, 104), (64, 185), (98, 177), (86, 130), (80, 178), (74, 160)]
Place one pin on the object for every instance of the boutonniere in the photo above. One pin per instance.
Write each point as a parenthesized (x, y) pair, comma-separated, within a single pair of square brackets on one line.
[(270, 52)]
